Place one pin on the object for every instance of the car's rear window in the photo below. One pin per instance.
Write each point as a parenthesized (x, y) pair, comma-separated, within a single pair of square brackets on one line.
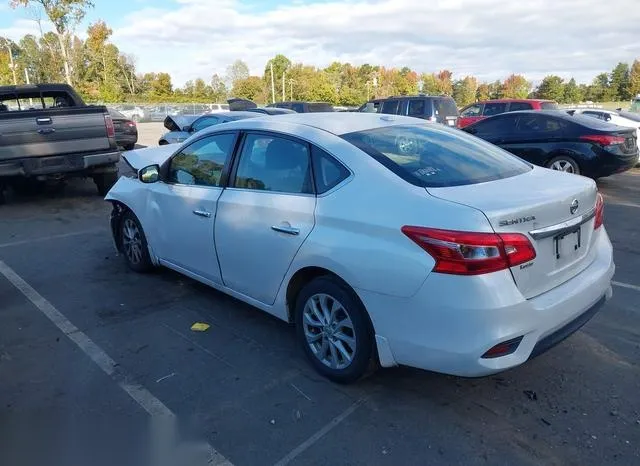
[(549, 106), (593, 123), (445, 107), (436, 157)]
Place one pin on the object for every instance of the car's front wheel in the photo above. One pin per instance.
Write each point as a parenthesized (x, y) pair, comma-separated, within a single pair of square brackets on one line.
[(564, 164), (134, 243), (334, 330)]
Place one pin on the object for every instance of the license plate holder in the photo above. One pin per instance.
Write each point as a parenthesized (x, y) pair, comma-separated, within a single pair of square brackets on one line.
[(567, 243)]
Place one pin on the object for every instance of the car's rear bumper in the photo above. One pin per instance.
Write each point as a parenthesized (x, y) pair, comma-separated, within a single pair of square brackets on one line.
[(610, 164), (453, 321), (59, 164)]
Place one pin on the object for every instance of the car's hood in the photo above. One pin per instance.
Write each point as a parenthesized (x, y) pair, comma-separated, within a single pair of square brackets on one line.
[(179, 122), (140, 158)]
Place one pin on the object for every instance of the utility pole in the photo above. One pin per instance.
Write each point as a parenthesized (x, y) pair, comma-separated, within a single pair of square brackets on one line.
[(12, 65), (290, 89), (273, 86), (26, 76), (283, 87)]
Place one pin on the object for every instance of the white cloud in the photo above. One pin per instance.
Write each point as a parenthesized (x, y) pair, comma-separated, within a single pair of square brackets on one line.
[(486, 38)]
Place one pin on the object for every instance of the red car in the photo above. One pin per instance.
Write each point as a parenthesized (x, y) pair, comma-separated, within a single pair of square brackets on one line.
[(481, 110)]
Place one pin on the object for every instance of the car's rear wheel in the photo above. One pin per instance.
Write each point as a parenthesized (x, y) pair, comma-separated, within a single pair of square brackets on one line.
[(104, 182), (134, 243), (334, 330), (564, 164), (129, 146)]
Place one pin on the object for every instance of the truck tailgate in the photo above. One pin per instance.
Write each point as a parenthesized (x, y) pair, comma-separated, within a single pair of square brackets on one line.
[(50, 132)]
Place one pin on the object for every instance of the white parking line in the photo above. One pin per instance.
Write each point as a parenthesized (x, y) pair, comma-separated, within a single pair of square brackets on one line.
[(152, 405), (626, 285), (47, 238), (321, 433)]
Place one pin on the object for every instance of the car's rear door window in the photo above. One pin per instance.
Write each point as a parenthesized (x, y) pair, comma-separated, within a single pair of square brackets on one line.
[(390, 107), (327, 171), (297, 107), (315, 107), (549, 106), (494, 108), (471, 111), (417, 107), (517, 106), (436, 157)]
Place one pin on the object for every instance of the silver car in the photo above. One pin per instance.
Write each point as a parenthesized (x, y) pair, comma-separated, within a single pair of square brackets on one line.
[(183, 126)]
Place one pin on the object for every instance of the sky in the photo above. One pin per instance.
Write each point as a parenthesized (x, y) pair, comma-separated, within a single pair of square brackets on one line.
[(489, 39)]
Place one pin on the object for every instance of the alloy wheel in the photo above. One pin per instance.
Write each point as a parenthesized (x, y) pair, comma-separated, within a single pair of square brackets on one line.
[(329, 331), (563, 166), (132, 241)]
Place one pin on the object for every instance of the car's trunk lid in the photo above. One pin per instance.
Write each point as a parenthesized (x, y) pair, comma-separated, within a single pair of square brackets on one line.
[(554, 210)]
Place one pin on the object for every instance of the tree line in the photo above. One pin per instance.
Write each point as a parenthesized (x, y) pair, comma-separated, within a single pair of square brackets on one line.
[(102, 73)]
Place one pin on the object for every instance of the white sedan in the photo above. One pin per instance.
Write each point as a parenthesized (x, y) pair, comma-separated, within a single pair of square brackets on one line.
[(387, 240)]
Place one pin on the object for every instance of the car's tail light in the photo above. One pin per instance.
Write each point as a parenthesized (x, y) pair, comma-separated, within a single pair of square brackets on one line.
[(599, 212), (467, 253), (603, 139), (131, 124), (111, 131)]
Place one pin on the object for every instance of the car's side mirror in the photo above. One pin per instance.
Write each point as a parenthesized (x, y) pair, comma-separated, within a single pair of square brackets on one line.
[(187, 129), (619, 109), (149, 174), (607, 117)]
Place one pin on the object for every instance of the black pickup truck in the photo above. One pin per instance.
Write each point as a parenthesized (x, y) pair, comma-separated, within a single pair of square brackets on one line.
[(48, 133)]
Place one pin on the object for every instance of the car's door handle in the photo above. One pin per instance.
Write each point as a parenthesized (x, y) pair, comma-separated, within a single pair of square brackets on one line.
[(43, 121), (202, 213), (286, 229), (46, 131)]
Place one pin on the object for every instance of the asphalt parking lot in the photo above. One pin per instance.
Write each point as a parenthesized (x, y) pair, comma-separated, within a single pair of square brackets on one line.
[(88, 349)]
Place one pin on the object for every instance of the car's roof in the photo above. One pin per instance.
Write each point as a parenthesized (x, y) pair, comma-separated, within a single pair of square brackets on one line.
[(337, 123)]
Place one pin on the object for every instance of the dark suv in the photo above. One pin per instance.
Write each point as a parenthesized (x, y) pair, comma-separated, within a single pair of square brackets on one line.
[(441, 108)]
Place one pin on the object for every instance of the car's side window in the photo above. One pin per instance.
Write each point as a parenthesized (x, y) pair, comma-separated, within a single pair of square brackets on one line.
[(416, 107), (390, 107), (203, 123), (494, 108), (516, 106), (472, 111), (202, 163), (499, 125), (327, 171), (297, 107), (272, 163), (540, 124)]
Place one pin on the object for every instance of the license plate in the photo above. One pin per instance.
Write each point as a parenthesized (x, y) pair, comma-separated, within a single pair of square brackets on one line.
[(451, 122), (567, 244)]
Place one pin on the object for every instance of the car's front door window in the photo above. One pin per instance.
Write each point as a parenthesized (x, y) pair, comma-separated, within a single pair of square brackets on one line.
[(202, 163), (203, 123)]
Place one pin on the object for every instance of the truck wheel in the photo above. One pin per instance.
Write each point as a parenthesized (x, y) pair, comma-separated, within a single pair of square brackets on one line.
[(104, 182), (129, 146)]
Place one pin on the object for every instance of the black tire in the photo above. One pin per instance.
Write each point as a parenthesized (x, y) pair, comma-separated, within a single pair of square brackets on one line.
[(3, 199), (361, 360), (129, 146), (566, 161), (104, 182), (162, 142), (134, 243)]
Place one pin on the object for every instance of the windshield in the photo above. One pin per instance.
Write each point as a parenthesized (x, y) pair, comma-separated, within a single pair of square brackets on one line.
[(436, 157)]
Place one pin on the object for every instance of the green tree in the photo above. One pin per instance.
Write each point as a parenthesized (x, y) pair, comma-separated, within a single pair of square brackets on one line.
[(515, 87), (281, 65), (620, 84), (218, 89), (551, 88), (64, 15), (429, 84), (601, 88), (251, 88), (483, 92), (445, 82), (464, 91), (572, 93), (634, 79), (495, 90)]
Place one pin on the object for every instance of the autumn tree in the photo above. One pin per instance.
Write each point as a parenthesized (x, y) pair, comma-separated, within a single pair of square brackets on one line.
[(64, 15), (515, 87), (444, 82), (483, 92), (218, 89)]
